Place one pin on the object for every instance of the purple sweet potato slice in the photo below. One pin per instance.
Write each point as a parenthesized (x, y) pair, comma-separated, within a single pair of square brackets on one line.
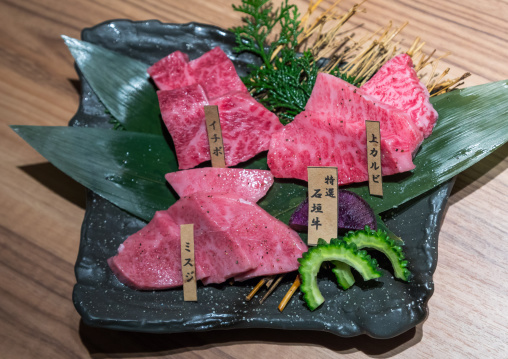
[(354, 213)]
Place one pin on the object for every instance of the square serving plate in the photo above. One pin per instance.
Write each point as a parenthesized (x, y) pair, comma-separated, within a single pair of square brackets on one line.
[(381, 308)]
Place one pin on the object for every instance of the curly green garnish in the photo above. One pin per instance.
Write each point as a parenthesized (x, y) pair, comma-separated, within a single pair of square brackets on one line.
[(336, 250), (379, 240)]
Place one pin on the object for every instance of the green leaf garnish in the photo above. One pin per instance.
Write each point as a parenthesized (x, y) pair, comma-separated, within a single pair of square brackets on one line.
[(121, 83), (473, 122), (284, 82), (126, 168)]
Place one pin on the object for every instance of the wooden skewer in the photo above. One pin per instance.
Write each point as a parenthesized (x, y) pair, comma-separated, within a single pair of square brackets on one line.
[(271, 289), (289, 294), (269, 280), (256, 288), (266, 280)]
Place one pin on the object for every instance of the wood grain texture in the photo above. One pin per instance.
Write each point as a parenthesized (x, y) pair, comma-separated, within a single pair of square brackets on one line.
[(41, 209)]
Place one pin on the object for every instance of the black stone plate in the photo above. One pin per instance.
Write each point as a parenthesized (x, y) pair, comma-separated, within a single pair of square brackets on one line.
[(381, 308)]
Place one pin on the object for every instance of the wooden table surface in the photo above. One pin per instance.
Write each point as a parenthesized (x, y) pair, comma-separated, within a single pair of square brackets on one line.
[(41, 209)]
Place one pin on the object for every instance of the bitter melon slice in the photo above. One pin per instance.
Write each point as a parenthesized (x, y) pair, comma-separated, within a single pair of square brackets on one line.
[(379, 240), (336, 250)]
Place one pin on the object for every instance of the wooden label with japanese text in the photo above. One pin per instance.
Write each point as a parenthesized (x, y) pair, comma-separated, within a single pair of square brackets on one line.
[(374, 158), (215, 136), (323, 204), (188, 264)]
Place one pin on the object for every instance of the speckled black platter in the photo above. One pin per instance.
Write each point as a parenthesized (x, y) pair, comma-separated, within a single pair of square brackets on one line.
[(381, 308)]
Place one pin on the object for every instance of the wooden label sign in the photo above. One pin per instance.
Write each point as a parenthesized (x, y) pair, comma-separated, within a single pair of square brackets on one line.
[(323, 203), (188, 264), (374, 158), (215, 136)]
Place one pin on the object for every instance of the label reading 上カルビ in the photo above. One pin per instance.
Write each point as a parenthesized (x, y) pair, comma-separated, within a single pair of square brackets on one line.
[(374, 158)]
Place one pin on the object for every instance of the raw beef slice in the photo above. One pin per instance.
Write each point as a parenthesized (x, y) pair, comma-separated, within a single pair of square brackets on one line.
[(233, 236), (270, 245), (331, 132), (216, 73), (397, 84), (247, 126), (150, 258), (248, 184), (314, 139), (216, 249), (183, 114), (172, 72)]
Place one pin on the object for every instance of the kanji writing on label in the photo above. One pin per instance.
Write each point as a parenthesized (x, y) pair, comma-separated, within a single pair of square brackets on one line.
[(187, 247), (215, 138), (329, 180), (323, 204), (330, 192), (373, 152), (188, 262), (374, 139), (212, 125), (317, 193), (374, 166), (316, 223), (375, 178), (316, 207)]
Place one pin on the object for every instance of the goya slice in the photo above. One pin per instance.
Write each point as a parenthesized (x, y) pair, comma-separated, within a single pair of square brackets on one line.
[(343, 274), (336, 250), (379, 240)]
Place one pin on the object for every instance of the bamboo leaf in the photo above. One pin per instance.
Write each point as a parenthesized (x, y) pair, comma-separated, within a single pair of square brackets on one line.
[(126, 168), (473, 122), (121, 83)]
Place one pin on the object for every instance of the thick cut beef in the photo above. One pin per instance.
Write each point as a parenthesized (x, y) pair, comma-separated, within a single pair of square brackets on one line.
[(150, 258), (248, 184), (216, 249), (183, 114), (172, 72), (216, 73), (233, 236), (397, 84), (314, 139), (240, 227), (246, 125), (185, 87), (331, 132)]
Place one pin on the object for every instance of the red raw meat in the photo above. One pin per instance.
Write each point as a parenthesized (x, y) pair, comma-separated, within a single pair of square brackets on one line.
[(233, 237), (241, 228), (150, 258), (183, 114), (248, 184), (247, 126), (216, 249), (172, 72), (216, 73), (331, 132), (397, 84)]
